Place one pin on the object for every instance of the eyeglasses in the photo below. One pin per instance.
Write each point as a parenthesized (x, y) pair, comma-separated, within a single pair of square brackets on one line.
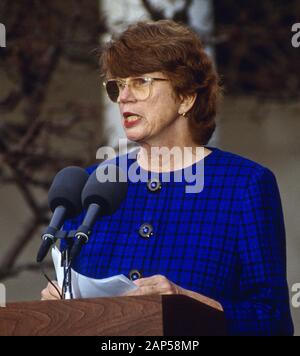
[(140, 87)]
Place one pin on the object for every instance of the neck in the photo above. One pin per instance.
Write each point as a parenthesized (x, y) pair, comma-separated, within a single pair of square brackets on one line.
[(173, 149), (170, 158)]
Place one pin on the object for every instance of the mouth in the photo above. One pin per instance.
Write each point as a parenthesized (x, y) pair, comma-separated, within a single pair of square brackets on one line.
[(131, 119)]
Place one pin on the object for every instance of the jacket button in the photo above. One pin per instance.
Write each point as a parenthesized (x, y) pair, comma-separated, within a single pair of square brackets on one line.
[(146, 231), (154, 185), (134, 274)]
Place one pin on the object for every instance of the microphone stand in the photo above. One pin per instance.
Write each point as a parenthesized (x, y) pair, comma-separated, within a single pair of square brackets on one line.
[(67, 284), (67, 291)]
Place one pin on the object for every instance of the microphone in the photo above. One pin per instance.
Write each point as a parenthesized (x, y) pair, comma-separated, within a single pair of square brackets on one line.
[(102, 195), (64, 199)]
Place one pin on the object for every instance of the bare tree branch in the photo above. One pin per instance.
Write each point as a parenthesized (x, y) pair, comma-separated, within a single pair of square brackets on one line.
[(257, 57), (19, 243), (11, 101), (155, 13), (182, 15), (31, 152), (27, 267)]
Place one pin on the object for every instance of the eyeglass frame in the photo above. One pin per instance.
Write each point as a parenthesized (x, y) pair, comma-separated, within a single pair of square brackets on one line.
[(151, 80)]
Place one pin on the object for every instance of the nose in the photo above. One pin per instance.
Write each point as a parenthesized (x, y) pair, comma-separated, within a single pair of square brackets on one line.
[(125, 95)]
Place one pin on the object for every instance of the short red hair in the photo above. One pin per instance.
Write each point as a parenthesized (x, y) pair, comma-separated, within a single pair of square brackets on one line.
[(174, 49)]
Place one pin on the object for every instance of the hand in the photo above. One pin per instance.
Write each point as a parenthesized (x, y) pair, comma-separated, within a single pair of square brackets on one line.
[(155, 285), (161, 285), (50, 293)]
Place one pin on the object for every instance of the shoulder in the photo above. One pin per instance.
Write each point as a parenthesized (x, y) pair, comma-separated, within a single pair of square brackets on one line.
[(240, 167), (229, 159)]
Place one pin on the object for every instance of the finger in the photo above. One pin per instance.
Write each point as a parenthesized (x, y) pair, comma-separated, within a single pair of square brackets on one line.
[(146, 290), (149, 281), (48, 298), (52, 291), (157, 285), (45, 295), (132, 293)]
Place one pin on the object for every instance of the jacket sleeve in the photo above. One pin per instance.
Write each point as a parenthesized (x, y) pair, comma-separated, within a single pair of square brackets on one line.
[(262, 304)]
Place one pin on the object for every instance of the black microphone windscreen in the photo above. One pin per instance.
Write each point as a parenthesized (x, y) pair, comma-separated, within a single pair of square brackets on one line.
[(107, 187), (66, 190)]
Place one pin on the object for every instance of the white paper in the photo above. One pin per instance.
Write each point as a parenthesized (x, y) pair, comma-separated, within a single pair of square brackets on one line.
[(84, 287)]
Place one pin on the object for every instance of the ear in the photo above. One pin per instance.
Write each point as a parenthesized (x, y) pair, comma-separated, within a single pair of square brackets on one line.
[(187, 103)]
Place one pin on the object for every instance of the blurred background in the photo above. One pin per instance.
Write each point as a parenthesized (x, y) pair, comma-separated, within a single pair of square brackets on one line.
[(53, 111)]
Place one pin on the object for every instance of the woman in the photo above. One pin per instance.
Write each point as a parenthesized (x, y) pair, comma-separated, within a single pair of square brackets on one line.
[(225, 245)]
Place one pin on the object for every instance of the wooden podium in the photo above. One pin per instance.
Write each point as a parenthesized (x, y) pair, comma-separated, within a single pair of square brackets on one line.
[(166, 315)]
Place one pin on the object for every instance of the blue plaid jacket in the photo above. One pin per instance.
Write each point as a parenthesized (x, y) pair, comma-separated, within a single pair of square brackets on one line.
[(227, 242)]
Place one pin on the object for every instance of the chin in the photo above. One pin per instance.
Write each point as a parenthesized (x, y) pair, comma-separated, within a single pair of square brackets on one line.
[(136, 141), (134, 136)]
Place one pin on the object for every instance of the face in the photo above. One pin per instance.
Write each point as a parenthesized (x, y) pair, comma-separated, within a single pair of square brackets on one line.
[(150, 120)]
